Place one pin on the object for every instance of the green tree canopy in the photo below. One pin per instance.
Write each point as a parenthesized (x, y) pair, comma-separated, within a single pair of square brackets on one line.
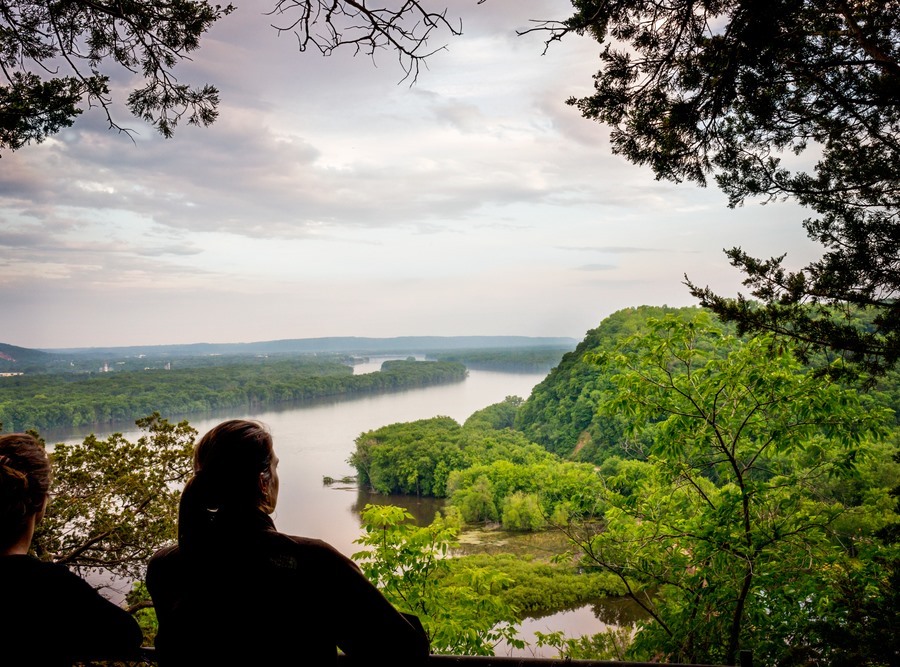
[(733, 517), (463, 612), (115, 502), (561, 412), (727, 89), (55, 58)]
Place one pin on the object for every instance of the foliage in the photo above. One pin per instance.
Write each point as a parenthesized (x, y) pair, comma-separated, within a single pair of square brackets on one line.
[(463, 614), (848, 615), (727, 517), (536, 359), (855, 623), (495, 417), (54, 400), (611, 644), (115, 502), (729, 88), (475, 501), (541, 587), (561, 414), (527, 495), (39, 41), (140, 604), (523, 511), (412, 457), (489, 471), (418, 457), (55, 56)]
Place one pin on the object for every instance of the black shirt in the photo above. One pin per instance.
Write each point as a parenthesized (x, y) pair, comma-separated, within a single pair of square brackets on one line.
[(50, 616), (258, 596)]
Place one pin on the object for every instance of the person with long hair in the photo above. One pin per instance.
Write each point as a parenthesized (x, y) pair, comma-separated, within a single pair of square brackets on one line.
[(234, 590), (48, 615)]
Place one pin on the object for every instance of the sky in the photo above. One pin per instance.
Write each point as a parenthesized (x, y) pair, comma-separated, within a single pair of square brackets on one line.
[(332, 198)]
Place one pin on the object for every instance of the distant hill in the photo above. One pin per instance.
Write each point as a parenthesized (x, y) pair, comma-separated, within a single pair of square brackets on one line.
[(18, 359), (340, 345)]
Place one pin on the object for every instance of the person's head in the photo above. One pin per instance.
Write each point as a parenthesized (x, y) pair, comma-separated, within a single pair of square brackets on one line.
[(234, 471), (24, 485)]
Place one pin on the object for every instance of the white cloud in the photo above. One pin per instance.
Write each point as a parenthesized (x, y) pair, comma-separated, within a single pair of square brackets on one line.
[(329, 199)]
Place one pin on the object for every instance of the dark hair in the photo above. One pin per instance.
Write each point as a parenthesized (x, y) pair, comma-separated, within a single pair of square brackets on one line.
[(228, 462), (24, 483)]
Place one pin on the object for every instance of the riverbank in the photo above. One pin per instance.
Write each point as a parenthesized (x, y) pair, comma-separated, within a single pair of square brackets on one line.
[(57, 401)]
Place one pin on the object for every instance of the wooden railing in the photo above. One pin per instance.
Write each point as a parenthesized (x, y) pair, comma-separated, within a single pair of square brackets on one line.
[(147, 658), (507, 661)]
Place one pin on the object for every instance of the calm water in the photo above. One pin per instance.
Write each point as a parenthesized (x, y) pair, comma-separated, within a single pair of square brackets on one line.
[(314, 441)]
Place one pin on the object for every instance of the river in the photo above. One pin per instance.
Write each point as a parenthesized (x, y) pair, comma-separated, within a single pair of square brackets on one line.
[(315, 440)]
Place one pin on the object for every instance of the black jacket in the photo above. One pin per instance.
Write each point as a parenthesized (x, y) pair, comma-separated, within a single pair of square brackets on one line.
[(50, 616), (255, 596)]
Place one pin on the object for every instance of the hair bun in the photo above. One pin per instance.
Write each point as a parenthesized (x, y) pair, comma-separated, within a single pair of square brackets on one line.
[(12, 471)]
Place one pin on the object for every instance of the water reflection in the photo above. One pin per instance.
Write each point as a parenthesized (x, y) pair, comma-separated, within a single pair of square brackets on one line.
[(619, 611), (590, 619), (423, 510), (609, 611)]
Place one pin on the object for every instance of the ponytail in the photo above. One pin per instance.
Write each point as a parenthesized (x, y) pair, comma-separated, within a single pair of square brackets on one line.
[(228, 461), (195, 513)]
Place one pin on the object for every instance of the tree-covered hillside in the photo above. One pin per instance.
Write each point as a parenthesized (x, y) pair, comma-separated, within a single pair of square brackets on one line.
[(14, 359), (752, 488), (754, 495), (754, 506), (561, 413)]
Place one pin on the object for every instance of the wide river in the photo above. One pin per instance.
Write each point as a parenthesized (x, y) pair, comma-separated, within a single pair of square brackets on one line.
[(315, 440)]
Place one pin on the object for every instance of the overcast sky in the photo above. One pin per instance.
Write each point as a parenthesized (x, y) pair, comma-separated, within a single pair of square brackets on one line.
[(332, 199)]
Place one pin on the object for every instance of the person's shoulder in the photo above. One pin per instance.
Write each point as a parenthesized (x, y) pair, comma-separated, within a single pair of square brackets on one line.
[(19, 562), (22, 561), (165, 553), (163, 560), (31, 566), (310, 544), (27, 573), (54, 584), (309, 548)]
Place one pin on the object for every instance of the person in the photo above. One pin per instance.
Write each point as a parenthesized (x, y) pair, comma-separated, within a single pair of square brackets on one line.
[(234, 590), (48, 615)]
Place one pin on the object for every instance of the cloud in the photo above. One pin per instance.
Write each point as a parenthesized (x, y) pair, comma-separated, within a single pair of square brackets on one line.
[(597, 267), (160, 251), (613, 250), (331, 199)]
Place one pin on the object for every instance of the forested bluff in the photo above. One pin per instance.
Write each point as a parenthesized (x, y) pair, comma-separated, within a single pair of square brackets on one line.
[(741, 498)]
